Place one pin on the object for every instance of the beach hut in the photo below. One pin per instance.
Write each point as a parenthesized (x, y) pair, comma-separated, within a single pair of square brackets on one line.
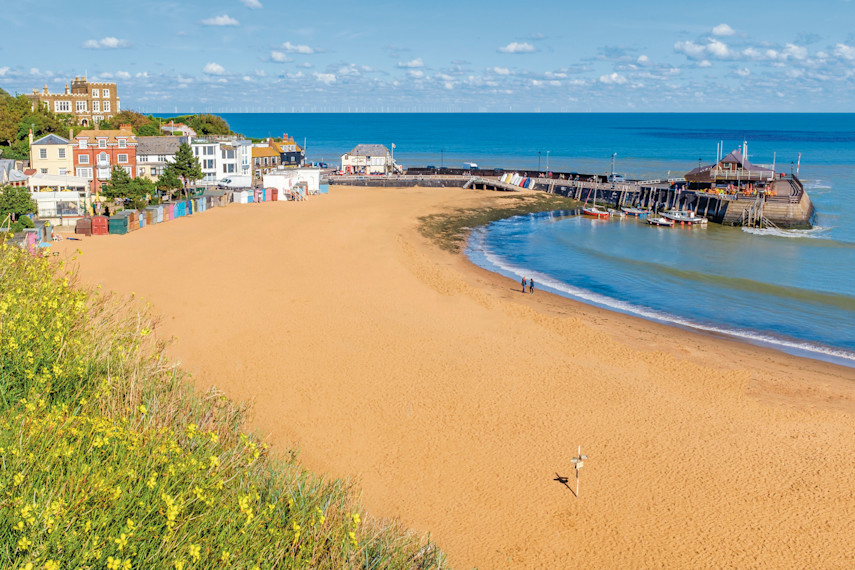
[(83, 227), (100, 225), (118, 225)]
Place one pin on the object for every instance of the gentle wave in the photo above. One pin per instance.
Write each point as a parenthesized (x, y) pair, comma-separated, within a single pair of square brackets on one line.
[(477, 243), (817, 232)]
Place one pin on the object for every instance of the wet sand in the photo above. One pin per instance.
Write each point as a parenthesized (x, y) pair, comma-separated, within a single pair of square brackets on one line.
[(455, 401)]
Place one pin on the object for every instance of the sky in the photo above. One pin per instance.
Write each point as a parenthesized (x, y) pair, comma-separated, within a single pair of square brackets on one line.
[(439, 56)]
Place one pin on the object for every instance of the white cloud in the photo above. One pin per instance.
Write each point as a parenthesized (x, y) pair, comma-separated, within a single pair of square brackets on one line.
[(613, 79), (412, 64), (327, 78), (305, 65), (279, 57), (642, 60), (254, 4), (224, 20), (500, 70), (718, 49), (291, 48), (260, 73), (515, 47), (744, 72), (3, 71), (714, 48), (723, 30), (416, 73), (142, 75), (795, 52), (704, 63), (214, 69), (106, 43), (844, 51), (123, 75)]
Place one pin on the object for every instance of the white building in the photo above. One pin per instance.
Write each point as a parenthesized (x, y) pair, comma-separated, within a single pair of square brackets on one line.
[(293, 180), (369, 159), (222, 157)]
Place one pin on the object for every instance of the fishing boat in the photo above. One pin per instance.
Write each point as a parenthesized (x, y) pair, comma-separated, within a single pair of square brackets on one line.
[(620, 214), (684, 217), (637, 212), (660, 221), (594, 210)]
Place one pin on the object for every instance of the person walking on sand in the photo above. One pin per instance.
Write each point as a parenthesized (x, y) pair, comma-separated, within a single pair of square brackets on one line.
[(524, 284), (531, 285)]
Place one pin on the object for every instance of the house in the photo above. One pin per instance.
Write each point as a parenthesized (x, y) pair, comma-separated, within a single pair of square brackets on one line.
[(52, 154), (264, 159), (181, 129), (88, 103), (154, 153), (290, 153), (11, 173), (96, 152), (732, 170), (222, 157), (369, 159)]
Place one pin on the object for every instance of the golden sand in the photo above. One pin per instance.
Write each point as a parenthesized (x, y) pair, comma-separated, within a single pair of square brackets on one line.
[(455, 401)]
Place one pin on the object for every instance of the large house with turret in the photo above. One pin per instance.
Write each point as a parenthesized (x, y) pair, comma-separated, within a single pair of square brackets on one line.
[(89, 103)]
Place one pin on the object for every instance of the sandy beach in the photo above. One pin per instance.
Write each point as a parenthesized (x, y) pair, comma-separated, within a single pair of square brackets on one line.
[(455, 401)]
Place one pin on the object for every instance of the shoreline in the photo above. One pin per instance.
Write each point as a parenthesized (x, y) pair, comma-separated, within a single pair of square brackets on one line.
[(451, 400)]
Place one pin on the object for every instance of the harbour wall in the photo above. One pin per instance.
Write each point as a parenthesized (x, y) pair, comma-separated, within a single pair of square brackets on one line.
[(790, 207)]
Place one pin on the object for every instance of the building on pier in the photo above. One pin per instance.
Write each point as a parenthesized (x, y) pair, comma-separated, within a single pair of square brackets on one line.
[(733, 172)]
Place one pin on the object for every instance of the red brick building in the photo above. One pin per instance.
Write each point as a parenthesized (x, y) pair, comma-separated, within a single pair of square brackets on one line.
[(96, 152)]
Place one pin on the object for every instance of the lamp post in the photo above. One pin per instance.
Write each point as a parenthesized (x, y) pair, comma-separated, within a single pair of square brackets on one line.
[(547, 161), (538, 160), (441, 157)]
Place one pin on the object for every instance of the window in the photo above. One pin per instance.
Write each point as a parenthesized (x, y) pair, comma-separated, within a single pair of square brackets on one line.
[(96, 105), (83, 159), (43, 153), (102, 143), (123, 159), (209, 164), (257, 161), (106, 95), (153, 171), (62, 107), (60, 153), (80, 106), (209, 150), (123, 143), (44, 170), (63, 171), (103, 173), (106, 106), (82, 143), (84, 172), (95, 93), (103, 158), (196, 150)]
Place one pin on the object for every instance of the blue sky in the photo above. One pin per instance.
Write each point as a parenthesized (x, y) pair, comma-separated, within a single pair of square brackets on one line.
[(270, 55)]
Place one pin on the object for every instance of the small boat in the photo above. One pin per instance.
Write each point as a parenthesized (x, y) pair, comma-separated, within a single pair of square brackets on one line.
[(684, 217), (637, 212), (660, 221), (596, 212), (616, 213)]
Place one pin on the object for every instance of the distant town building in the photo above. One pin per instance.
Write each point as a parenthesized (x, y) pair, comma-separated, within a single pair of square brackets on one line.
[(154, 153), (88, 103), (96, 152), (264, 159), (290, 153), (52, 154), (174, 128), (223, 156), (11, 173), (369, 159)]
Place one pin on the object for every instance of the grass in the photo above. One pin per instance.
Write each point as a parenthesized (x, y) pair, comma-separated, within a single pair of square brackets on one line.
[(109, 458), (449, 230)]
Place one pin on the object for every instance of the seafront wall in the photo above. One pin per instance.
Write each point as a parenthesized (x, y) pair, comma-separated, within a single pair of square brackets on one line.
[(791, 209)]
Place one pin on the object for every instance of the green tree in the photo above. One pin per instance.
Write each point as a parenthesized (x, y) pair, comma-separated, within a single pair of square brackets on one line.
[(17, 118), (169, 180), (15, 201), (121, 185), (186, 165)]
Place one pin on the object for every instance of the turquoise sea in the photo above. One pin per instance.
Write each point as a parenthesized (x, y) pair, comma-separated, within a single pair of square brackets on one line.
[(793, 290)]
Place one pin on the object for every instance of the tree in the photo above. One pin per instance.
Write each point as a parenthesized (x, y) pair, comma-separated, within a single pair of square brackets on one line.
[(169, 180), (17, 118), (186, 165), (16, 201), (121, 185)]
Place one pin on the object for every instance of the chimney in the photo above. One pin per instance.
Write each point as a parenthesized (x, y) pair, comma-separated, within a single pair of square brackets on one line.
[(66, 88), (31, 137), (70, 134)]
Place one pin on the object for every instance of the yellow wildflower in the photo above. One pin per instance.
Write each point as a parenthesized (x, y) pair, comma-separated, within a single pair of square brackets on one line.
[(113, 563), (122, 541), (51, 565), (24, 544), (194, 552), (224, 556), (142, 409)]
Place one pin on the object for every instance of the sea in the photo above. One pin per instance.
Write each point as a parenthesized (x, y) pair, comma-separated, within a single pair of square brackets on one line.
[(793, 290)]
